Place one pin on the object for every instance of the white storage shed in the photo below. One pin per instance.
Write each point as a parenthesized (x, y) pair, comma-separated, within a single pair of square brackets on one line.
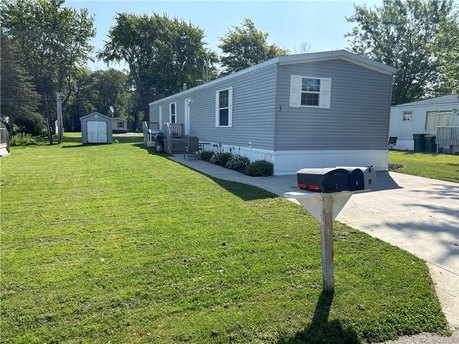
[(96, 128)]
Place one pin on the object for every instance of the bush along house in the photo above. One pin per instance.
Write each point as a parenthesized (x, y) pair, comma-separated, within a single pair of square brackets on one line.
[(308, 110)]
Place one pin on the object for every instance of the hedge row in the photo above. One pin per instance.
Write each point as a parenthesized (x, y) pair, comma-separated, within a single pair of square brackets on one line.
[(239, 163)]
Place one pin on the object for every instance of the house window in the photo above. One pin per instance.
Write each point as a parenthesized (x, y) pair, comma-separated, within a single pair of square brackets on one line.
[(407, 116), (436, 119), (172, 113), (224, 105), (308, 91), (120, 124)]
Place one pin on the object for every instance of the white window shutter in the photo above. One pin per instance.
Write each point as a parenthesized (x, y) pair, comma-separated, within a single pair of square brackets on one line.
[(217, 112), (325, 93), (230, 107), (295, 90)]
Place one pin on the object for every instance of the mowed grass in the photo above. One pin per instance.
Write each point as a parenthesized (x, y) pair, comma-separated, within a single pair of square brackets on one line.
[(436, 166), (112, 243)]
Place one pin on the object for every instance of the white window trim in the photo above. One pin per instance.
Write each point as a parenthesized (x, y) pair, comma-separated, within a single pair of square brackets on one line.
[(296, 91), (230, 108), (172, 114), (409, 115)]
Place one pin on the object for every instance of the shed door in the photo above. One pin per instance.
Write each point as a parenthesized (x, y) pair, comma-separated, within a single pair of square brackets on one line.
[(97, 132)]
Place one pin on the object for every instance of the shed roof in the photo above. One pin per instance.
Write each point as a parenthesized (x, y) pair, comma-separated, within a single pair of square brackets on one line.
[(450, 98), (95, 113), (299, 58)]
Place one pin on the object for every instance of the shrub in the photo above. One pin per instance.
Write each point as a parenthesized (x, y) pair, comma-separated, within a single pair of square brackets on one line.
[(260, 168), (23, 140), (237, 161), (206, 155), (33, 124), (220, 158)]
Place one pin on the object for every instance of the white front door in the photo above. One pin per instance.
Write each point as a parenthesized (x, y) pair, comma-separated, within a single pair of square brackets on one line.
[(97, 132), (187, 116)]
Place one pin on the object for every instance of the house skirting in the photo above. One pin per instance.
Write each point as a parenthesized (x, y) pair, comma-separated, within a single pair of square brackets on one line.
[(290, 161), (404, 145)]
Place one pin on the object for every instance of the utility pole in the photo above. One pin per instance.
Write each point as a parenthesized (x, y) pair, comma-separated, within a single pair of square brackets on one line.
[(49, 123), (60, 126)]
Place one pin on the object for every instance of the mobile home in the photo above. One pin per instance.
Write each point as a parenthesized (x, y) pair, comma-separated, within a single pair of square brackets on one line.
[(436, 116), (308, 110)]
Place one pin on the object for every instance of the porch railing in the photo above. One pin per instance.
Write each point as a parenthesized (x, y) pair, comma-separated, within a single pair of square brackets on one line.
[(146, 126), (172, 132)]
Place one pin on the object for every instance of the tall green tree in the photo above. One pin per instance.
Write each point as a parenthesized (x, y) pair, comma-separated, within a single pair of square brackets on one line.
[(412, 36), (244, 46), (110, 89), (163, 54), (19, 100), (54, 43), (97, 91), (448, 55)]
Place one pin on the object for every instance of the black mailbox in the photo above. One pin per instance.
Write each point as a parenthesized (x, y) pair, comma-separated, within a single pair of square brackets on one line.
[(361, 178), (325, 180), (356, 180)]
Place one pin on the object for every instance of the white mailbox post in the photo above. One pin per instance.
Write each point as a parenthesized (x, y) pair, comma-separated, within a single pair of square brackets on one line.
[(324, 207)]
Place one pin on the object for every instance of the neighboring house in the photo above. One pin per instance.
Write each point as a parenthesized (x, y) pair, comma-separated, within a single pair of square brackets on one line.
[(425, 117), (308, 110), (4, 141), (96, 128), (119, 125)]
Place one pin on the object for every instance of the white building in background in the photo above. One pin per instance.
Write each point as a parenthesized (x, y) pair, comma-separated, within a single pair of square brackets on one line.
[(424, 117)]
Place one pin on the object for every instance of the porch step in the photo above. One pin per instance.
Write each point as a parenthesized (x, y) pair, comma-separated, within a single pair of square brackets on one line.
[(178, 145)]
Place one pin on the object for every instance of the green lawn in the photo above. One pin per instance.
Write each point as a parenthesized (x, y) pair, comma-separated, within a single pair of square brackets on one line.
[(436, 166), (112, 243)]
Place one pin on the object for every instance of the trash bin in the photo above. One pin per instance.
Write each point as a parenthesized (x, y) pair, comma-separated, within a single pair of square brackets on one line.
[(430, 146), (419, 142)]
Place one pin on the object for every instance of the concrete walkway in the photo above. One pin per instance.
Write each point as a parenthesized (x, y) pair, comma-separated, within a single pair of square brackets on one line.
[(419, 215)]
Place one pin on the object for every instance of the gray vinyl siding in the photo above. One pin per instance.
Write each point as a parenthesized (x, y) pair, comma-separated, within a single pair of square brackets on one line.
[(358, 117), (253, 110)]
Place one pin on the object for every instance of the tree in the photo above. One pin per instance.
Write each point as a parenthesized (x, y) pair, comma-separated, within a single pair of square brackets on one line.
[(18, 99), (448, 55), (97, 91), (54, 43), (407, 36), (303, 48), (163, 55), (246, 46)]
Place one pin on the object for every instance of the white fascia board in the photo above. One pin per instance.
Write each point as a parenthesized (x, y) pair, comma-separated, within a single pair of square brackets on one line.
[(338, 54), (225, 78)]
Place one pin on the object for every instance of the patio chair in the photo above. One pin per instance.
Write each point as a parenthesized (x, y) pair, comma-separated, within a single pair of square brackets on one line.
[(392, 142), (191, 148)]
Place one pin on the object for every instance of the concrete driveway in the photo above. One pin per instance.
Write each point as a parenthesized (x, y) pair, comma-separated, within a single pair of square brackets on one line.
[(419, 215)]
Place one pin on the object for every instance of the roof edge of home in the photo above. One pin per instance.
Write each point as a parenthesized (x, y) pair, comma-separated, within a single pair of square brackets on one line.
[(294, 59)]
